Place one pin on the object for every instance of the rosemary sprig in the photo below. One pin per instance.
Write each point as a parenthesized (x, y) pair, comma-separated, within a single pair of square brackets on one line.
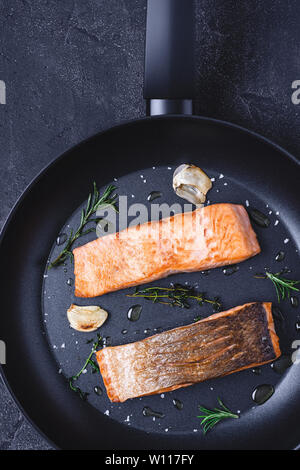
[(282, 285), (176, 295), (89, 361), (95, 201), (212, 417)]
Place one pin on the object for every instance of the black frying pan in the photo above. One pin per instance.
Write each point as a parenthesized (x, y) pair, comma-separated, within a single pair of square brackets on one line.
[(42, 351)]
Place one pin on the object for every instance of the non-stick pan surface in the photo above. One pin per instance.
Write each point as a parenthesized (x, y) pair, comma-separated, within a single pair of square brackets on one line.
[(42, 351)]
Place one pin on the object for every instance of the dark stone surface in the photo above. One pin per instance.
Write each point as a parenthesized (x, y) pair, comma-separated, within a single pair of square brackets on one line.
[(73, 68)]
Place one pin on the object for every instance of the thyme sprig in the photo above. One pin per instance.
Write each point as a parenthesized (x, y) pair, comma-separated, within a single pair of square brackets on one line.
[(176, 295), (95, 201), (212, 417), (89, 361), (282, 285)]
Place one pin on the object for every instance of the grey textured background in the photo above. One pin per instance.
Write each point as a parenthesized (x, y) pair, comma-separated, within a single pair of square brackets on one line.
[(73, 68)]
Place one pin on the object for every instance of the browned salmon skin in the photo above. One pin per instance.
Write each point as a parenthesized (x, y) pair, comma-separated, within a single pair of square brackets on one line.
[(212, 236), (219, 345)]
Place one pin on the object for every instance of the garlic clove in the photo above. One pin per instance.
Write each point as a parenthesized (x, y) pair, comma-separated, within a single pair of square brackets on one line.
[(86, 319), (191, 183)]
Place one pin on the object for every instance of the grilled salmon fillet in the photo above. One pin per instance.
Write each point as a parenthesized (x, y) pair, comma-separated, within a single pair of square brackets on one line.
[(206, 238), (219, 345)]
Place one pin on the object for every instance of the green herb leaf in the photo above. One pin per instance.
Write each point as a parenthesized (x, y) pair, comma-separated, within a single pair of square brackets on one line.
[(89, 361), (176, 295), (282, 285), (197, 318), (209, 418), (94, 202)]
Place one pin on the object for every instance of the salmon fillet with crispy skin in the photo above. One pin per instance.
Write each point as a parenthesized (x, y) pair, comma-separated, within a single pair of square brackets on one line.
[(219, 345), (212, 236)]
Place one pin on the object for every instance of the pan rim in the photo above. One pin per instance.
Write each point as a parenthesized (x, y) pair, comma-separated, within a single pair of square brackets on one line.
[(55, 160), (130, 122)]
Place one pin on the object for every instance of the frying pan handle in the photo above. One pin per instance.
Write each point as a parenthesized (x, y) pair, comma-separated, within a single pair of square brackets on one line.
[(169, 58)]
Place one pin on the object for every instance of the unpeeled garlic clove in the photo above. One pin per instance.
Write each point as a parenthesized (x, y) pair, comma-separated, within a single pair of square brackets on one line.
[(191, 183), (86, 319)]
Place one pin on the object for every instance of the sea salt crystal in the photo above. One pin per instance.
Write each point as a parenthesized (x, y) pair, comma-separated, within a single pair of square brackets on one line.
[(221, 176), (247, 203), (286, 240), (212, 179), (106, 412), (276, 222)]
